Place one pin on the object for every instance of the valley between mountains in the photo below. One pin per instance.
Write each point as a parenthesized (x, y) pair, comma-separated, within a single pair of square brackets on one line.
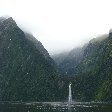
[(29, 73)]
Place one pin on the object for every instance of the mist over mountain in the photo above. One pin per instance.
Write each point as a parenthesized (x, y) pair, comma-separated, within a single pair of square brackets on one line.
[(68, 61), (27, 73), (59, 58), (91, 68)]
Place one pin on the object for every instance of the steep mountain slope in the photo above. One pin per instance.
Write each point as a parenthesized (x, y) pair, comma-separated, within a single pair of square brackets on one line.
[(67, 62), (27, 72), (94, 80), (37, 44), (71, 61), (90, 70)]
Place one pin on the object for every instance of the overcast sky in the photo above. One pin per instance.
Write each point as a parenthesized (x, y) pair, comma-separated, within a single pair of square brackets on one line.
[(61, 24)]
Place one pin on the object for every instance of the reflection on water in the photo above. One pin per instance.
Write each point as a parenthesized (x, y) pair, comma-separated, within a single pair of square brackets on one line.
[(55, 107)]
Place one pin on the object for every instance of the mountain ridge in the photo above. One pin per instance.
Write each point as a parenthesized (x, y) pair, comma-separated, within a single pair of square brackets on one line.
[(26, 74), (91, 78)]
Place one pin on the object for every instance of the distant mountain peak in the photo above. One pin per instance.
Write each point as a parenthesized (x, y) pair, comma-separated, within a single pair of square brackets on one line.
[(10, 21), (7, 23)]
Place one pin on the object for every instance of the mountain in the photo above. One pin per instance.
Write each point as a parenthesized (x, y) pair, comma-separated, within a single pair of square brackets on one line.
[(27, 72), (90, 70), (67, 66), (95, 82), (68, 61), (37, 44), (94, 78)]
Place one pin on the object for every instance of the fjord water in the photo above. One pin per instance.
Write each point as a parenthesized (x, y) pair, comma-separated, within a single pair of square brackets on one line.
[(55, 107)]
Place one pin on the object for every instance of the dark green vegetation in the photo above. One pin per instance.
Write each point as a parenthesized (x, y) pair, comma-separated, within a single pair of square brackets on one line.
[(96, 70), (71, 61), (27, 73), (90, 70)]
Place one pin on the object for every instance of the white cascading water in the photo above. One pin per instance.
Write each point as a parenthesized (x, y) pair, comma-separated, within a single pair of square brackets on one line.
[(70, 93)]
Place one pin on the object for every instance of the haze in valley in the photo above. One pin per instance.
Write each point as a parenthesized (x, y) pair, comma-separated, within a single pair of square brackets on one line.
[(60, 24)]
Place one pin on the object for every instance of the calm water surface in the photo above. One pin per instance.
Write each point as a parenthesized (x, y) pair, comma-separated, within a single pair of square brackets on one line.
[(55, 107)]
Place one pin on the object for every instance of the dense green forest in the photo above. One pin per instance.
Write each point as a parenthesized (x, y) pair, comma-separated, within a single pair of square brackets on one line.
[(96, 70), (90, 70), (28, 73)]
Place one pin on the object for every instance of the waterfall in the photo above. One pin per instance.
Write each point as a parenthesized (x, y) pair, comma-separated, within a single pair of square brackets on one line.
[(70, 93)]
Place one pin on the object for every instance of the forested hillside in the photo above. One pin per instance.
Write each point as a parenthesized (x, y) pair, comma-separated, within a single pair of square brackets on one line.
[(95, 71), (27, 73), (90, 70)]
